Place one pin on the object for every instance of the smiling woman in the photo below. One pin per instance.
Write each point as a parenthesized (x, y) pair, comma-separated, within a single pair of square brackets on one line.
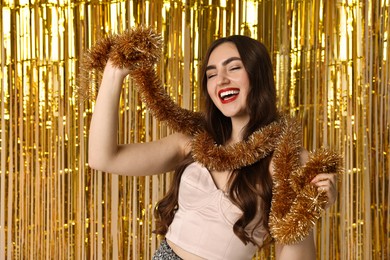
[(228, 83), (240, 98), (54, 206)]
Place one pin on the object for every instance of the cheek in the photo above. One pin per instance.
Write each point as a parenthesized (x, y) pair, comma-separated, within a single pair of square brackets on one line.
[(210, 90), (246, 93), (247, 86)]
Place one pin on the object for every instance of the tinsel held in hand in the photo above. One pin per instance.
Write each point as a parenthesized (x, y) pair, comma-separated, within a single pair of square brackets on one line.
[(138, 50), (296, 204)]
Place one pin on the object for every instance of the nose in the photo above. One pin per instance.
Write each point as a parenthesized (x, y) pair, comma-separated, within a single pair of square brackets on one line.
[(222, 79)]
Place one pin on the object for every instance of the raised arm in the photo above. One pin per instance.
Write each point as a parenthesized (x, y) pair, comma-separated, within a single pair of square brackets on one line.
[(135, 159)]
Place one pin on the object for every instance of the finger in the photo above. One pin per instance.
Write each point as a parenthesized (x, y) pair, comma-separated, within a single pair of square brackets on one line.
[(331, 197), (325, 176), (324, 189), (326, 182), (329, 190)]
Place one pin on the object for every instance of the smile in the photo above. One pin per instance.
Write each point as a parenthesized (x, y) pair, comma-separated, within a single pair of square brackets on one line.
[(228, 95)]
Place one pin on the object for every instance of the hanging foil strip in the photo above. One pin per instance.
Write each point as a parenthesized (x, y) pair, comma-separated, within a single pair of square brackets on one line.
[(331, 64)]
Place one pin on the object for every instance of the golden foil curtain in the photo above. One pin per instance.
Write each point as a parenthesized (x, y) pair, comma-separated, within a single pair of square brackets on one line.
[(332, 69)]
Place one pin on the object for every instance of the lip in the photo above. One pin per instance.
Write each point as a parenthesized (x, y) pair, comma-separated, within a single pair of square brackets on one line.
[(231, 99)]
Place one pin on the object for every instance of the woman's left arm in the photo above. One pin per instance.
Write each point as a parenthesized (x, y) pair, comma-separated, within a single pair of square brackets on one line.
[(304, 250), (325, 182)]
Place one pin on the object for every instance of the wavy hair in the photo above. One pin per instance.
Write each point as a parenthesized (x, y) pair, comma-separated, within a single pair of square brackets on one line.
[(250, 186)]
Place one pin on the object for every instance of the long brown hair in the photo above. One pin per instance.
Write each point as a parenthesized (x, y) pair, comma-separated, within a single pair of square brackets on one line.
[(250, 186)]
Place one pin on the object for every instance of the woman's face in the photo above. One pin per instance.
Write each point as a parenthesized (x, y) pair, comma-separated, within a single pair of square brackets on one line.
[(228, 81)]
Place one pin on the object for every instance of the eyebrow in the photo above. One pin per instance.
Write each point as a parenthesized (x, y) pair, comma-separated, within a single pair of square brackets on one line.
[(226, 62)]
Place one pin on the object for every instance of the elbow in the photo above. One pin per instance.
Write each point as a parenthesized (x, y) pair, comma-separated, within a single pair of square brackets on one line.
[(93, 163), (96, 163), (100, 156)]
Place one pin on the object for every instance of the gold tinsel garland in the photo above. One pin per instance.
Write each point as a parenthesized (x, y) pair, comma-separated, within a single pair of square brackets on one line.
[(296, 204), (240, 154)]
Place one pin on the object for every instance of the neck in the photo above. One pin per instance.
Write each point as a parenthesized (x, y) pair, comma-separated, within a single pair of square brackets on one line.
[(238, 125)]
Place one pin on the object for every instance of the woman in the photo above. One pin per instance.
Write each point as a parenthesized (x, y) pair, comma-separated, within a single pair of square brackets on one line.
[(208, 213)]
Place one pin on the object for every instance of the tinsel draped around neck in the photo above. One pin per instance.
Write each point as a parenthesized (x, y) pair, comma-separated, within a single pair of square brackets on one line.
[(231, 157)]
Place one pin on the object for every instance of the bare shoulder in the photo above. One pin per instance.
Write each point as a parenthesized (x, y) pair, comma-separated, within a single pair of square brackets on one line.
[(304, 156), (182, 141)]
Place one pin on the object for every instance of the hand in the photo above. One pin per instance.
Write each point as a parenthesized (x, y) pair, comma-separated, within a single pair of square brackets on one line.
[(326, 183), (119, 72)]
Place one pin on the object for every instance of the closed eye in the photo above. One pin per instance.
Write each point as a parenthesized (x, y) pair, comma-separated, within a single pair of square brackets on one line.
[(210, 76), (235, 68)]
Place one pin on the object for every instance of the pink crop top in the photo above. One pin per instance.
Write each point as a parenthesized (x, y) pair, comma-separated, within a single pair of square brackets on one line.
[(203, 224)]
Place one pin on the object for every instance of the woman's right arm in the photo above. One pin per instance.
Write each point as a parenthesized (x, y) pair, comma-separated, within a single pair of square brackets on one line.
[(135, 159)]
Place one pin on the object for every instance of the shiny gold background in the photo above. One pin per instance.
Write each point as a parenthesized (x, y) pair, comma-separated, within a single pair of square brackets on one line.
[(332, 69)]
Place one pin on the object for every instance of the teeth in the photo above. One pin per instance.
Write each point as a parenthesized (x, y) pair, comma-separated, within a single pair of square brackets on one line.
[(229, 92)]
